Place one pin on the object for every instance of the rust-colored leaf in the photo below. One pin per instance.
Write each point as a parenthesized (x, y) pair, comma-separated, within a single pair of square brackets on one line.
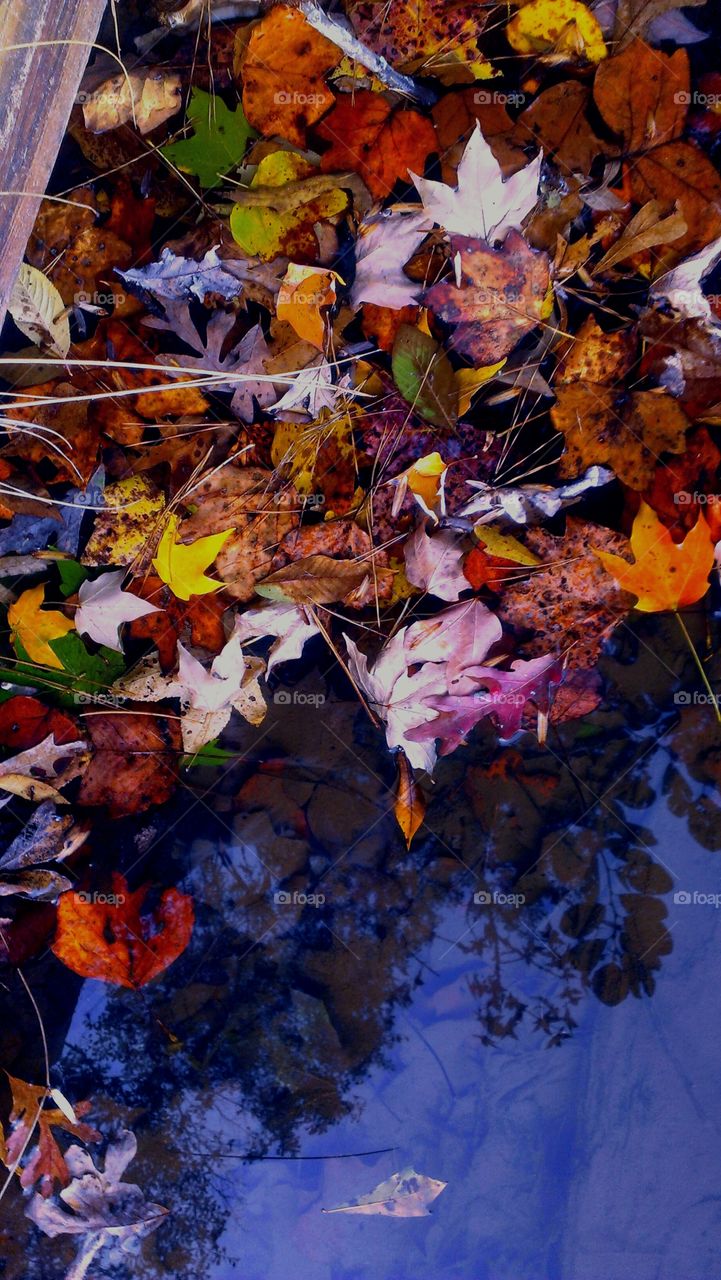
[(108, 936)]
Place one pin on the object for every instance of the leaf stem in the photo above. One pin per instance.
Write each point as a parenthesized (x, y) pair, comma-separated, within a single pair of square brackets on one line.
[(699, 665)]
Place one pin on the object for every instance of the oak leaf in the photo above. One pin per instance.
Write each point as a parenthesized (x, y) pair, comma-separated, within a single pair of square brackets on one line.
[(46, 1163)]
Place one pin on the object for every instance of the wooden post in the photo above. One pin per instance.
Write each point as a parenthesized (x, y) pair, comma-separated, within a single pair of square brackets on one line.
[(38, 87)]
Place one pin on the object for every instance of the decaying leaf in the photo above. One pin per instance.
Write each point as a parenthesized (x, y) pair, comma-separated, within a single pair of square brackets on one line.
[(38, 310), (404, 1195)]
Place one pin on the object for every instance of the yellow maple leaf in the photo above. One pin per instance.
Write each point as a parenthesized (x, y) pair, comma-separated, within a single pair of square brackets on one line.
[(33, 627), (183, 567), (666, 575)]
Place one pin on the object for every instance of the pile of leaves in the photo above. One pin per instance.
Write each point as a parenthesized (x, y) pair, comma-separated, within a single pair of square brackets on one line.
[(389, 328)]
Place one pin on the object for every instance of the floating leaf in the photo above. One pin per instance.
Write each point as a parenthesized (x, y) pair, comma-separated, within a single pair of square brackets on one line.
[(39, 311), (219, 139), (424, 376)]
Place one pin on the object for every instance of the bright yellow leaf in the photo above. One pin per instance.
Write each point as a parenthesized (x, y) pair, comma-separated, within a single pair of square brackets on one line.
[(183, 567), (469, 381), (122, 529), (304, 293), (565, 28), (33, 627), (504, 545), (425, 479), (666, 575)]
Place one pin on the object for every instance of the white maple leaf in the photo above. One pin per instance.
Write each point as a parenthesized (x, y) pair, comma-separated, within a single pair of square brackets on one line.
[(104, 608), (482, 205), (289, 623), (207, 697), (386, 241)]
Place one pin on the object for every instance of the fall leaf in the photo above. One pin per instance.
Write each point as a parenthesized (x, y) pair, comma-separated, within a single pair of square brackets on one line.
[(678, 174), (410, 804), (198, 620), (34, 627), (499, 296), (386, 241), (182, 566), (147, 97), (565, 29), (482, 204), (135, 761), (283, 70), (642, 95), (315, 579), (557, 120), (38, 311), (279, 212), (383, 145), (424, 36), (424, 376), (665, 575), (104, 607), (46, 1163), (219, 139), (111, 939), (404, 1195), (304, 294), (627, 432)]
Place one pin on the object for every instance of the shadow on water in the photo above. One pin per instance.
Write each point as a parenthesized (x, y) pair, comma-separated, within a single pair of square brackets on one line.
[(343, 996)]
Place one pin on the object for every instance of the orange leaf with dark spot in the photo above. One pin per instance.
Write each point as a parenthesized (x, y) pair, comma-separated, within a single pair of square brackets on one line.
[(111, 939), (665, 575)]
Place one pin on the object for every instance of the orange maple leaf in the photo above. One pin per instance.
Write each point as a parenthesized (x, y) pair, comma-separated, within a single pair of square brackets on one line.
[(665, 575)]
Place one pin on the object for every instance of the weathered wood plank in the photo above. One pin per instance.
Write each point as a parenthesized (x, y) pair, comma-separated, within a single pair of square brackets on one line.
[(37, 90)]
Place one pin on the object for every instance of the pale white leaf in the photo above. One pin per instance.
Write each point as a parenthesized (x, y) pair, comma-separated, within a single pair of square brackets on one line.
[(386, 241), (38, 310), (104, 607), (404, 1195), (482, 205)]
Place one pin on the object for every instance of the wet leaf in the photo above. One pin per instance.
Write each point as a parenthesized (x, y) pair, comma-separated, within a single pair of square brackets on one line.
[(38, 310), (383, 145), (112, 940), (565, 29), (282, 70), (34, 627), (665, 574), (135, 761), (642, 95), (219, 140), (404, 1195), (144, 97), (499, 296), (625, 432), (182, 566), (46, 1163), (424, 376), (410, 803), (104, 608)]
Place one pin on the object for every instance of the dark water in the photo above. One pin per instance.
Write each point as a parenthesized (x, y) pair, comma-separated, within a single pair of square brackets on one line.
[(555, 1061)]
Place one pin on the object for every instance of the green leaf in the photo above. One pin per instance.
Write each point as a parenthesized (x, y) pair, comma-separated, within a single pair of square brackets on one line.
[(83, 672), (219, 139), (210, 755), (72, 576), (424, 376)]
